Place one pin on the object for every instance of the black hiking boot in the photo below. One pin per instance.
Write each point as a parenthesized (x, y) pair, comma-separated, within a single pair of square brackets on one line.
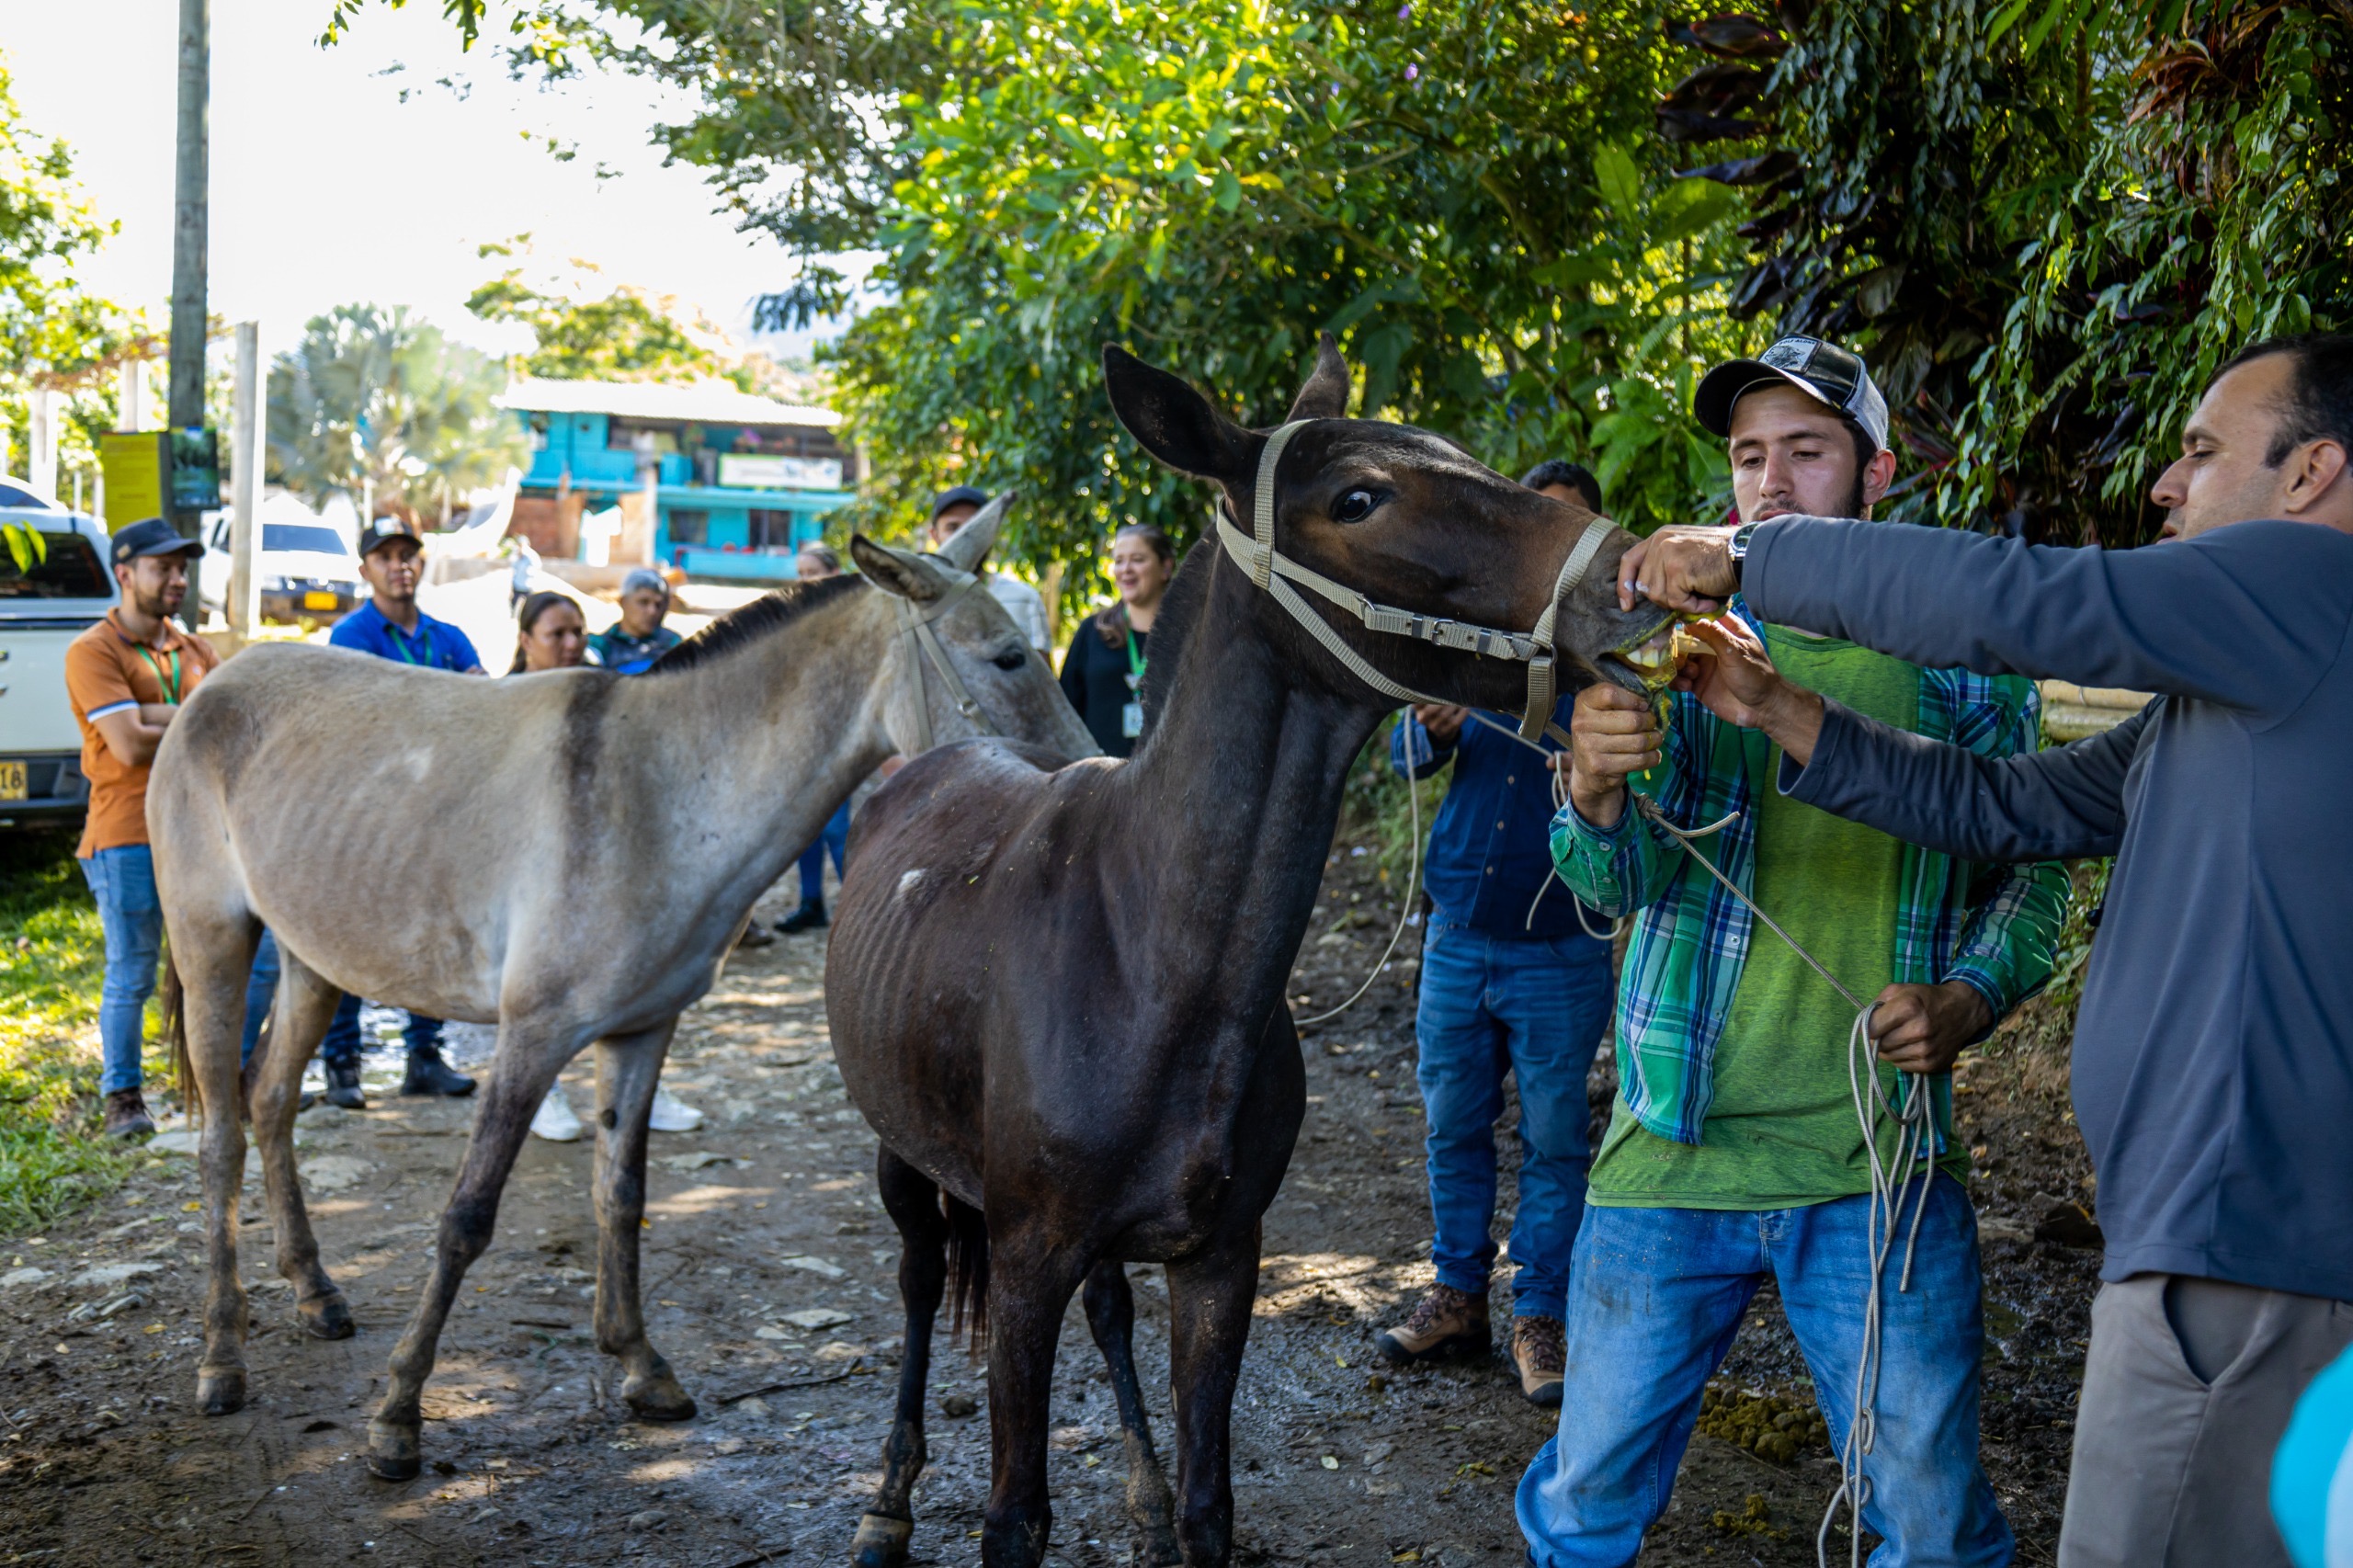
[(809, 916), (429, 1074), (127, 1115), (343, 1086)]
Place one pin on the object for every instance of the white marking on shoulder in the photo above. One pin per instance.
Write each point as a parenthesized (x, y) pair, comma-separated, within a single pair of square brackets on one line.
[(907, 882)]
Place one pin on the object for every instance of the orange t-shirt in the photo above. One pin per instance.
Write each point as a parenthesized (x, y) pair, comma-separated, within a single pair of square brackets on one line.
[(106, 672)]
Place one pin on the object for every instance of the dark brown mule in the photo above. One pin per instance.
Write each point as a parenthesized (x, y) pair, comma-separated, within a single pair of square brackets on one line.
[(1058, 995)]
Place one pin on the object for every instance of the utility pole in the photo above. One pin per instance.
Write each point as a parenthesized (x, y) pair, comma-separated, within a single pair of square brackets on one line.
[(191, 237)]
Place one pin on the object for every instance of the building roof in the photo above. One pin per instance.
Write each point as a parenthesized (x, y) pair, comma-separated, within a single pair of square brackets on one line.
[(705, 403)]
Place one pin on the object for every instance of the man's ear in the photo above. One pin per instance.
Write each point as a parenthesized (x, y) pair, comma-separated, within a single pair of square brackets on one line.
[(2313, 470), (1878, 475), (1325, 394), (900, 572), (1176, 423)]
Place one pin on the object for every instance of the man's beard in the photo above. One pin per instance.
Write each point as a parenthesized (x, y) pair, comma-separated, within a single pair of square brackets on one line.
[(1856, 505), (159, 604)]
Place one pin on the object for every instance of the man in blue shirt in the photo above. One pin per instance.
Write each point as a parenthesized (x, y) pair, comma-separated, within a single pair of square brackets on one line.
[(1511, 982), (390, 626)]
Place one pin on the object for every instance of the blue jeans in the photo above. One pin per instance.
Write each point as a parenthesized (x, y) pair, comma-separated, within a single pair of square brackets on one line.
[(1534, 1007), (123, 879), (834, 836), (1657, 1297), (342, 1045)]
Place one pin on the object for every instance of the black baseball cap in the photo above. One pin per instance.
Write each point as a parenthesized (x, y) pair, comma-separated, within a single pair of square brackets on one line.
[(1823, 370), (960, 495), (381, 532), (151, 536)]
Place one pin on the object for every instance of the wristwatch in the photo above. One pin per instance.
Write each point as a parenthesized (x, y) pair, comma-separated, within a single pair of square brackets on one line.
[(1736, 549)]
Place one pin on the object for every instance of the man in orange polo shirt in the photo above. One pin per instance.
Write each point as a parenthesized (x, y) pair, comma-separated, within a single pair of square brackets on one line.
[(126, 678)]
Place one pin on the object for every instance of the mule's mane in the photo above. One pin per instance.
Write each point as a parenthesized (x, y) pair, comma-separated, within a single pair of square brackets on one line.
[(755, 622)]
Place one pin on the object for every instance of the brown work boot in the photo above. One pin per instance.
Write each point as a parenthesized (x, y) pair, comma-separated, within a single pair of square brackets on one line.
[(1539, 1353), (127, 1115), (1445, 1321)]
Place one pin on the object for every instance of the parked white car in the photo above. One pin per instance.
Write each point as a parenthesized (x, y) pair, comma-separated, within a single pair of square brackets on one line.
[(41, 612), (307, 568)]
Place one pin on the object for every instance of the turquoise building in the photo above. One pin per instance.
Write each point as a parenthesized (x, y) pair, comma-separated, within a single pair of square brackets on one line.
[(734, 482)]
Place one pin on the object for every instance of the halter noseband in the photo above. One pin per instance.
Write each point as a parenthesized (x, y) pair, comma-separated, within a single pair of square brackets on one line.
[(1269, 568)]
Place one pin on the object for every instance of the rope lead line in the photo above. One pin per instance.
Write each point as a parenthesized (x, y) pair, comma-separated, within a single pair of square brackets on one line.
[(1891, 1188)]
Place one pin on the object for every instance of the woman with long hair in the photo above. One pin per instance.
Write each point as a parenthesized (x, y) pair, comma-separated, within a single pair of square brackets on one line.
[(552, 634), (549, 634), (1103, 672)]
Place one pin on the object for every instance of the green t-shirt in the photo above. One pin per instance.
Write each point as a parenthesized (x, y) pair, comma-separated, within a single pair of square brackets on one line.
[(1782, 1130)]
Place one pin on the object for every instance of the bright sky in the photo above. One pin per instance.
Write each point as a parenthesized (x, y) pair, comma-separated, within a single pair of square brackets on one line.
[(328, 188)]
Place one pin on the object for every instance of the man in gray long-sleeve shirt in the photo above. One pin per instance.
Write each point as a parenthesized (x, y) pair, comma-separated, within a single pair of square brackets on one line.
[(2213, 1052)]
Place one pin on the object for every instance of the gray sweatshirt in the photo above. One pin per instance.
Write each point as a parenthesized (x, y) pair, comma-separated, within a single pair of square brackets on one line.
[(2213, 1054)]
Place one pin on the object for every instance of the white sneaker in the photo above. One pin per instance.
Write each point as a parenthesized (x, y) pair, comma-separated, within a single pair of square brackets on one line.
[(553, 1120), (669, 1116)]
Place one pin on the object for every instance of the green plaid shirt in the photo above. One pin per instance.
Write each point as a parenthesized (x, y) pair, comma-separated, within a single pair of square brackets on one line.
[(1992, 926)]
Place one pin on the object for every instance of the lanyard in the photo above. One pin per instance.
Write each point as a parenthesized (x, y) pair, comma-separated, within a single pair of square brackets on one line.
[(170, 687), (401, 644), (1135, 661)]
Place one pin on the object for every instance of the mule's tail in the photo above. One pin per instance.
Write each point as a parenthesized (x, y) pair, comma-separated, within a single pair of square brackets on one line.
[(968, 1273), (174, 1003)]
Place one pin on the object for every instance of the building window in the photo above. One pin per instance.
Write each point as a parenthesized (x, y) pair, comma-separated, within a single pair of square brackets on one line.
[(621, 434), (771, 532), (689, 528)]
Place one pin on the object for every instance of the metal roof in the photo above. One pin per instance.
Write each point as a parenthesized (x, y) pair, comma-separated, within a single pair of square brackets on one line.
[(704, 402)]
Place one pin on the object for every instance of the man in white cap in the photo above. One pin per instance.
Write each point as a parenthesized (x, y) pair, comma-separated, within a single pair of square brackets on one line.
[(1734, 1153)]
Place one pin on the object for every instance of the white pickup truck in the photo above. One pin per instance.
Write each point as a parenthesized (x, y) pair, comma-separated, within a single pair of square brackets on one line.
[(41, 612)]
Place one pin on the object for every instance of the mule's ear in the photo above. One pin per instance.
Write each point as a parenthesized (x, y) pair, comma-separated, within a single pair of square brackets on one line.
[(969, 543), (899, 571), (1326, 395), (1173, 421)]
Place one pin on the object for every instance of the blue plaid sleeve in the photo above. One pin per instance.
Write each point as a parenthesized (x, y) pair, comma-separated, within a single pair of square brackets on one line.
[(2006, 943)]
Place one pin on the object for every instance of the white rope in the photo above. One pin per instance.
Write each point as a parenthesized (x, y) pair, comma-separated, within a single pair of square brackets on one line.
[(1891, 1182), (1405, 910)]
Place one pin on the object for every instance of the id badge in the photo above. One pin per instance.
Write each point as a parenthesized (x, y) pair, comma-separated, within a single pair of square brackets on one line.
[(1132, 719)]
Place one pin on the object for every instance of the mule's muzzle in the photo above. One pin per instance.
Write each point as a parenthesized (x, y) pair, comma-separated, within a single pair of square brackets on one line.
[(1644, 663)]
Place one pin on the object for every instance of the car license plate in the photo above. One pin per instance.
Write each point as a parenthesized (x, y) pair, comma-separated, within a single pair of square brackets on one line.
[(12, 780), (317, 600)]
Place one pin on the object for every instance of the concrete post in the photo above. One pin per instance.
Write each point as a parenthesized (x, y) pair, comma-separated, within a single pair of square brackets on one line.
[(245, 466)]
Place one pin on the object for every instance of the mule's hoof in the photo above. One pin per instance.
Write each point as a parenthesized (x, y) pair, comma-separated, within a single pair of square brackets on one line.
[(326, 1317), (881, 1541), (659, 1397), (220, 1390), (393, 1452)]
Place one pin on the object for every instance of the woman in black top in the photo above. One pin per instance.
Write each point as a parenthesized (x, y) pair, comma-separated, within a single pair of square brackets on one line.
[(1103, 668)]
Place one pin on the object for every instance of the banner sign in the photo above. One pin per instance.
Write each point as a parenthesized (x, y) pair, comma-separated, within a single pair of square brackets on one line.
[(757, 470), (132, 465)]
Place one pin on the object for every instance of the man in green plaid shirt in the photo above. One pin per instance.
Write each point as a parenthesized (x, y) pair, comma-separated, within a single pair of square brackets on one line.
[(1734, 1151)]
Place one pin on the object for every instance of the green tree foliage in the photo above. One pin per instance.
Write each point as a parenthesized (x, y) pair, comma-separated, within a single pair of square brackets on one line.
[(373, 402), (625, 335)]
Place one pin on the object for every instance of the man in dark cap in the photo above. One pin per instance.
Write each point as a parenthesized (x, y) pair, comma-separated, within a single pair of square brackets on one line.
[(951, 510)]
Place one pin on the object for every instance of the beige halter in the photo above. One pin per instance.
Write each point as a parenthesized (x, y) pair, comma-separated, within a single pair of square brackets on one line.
[(919, 645), (1269, 568)]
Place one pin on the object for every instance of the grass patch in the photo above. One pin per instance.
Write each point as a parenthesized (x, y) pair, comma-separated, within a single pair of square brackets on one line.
[(53, 958)]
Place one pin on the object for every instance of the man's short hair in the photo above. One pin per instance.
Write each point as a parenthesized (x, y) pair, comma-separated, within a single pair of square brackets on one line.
[(1560, 470), (2320, 397), (823, 554)]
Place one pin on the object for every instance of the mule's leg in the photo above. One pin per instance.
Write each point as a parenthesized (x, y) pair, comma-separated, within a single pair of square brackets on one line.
[(1029, 1286), (913, 1202), (305, 1005), (1209, 1295), (627, 1070), (1111, 1313), (526, 1063), (210, 956)]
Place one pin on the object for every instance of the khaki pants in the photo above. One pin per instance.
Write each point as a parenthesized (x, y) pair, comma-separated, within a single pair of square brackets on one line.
[(2187, 1392)]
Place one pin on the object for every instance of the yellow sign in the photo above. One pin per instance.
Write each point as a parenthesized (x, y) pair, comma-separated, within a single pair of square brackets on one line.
[(12, 780), (133, 466)]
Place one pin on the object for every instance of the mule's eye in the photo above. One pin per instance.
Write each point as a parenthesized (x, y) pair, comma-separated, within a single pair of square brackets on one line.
[(1355, 507), (1011, 659)]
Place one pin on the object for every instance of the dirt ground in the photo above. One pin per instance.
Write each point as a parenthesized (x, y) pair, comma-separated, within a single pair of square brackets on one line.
[(770, 1268)]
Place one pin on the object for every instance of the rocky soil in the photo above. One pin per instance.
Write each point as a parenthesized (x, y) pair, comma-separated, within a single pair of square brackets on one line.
[(770, 1285)]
